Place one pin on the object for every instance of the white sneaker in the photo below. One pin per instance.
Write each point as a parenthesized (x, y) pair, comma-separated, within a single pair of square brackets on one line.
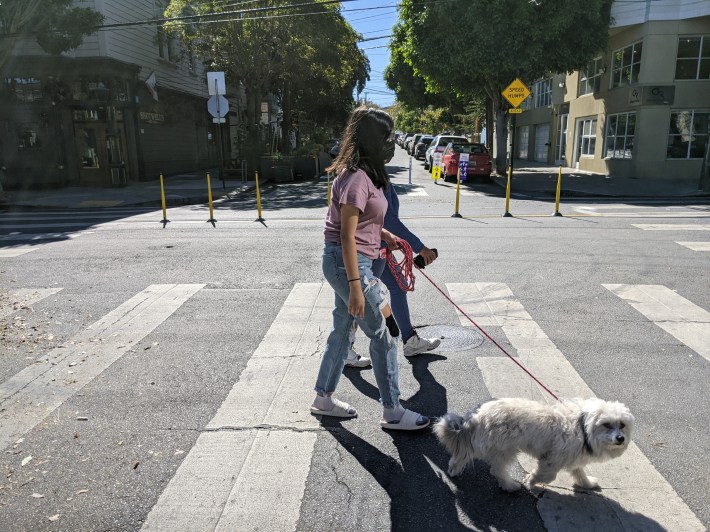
[(356, 361), (416, 345)]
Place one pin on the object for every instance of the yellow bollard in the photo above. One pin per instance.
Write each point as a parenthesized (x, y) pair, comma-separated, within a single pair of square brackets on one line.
[(258, 199), (507, 197), (209, 200), (165, 220), (328, 200), (458, 194), (557, 196)]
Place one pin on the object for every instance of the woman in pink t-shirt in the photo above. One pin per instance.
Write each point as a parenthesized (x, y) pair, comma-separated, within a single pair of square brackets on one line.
[(353, 232)]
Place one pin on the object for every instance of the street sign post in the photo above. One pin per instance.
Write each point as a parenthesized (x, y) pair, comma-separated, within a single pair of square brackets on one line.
[(515, 93), (218, 106)]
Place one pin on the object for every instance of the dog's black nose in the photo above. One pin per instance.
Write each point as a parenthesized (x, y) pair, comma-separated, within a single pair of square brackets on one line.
[(619, 439)]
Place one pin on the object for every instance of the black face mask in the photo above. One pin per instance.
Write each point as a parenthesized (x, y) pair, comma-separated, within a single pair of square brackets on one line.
[(388, 149)]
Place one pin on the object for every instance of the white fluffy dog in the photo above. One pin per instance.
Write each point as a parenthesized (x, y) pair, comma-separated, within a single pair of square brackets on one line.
[(566, 435)]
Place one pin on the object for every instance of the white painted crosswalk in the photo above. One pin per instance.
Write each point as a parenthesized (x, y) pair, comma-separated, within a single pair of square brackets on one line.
[(671, 312), (32, 394), (256, 452), (634, 484)]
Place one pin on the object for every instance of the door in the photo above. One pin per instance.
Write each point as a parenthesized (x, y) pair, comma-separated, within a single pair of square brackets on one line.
[(92, 153), (542, 142), (561, 144)]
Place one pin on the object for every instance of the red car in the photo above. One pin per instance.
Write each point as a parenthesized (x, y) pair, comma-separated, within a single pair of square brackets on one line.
[(479, 160)]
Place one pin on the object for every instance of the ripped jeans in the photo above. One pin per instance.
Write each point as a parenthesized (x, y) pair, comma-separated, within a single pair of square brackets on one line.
[(383, 348)]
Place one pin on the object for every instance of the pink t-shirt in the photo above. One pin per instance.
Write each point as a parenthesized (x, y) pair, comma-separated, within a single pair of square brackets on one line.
[(357, 189)]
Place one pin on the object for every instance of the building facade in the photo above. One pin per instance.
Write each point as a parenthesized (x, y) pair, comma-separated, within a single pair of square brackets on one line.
[(640, 109), (129, 103)]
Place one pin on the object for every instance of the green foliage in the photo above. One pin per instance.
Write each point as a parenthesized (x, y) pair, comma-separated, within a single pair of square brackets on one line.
[(460, 46), (55, 24), (311, 63)]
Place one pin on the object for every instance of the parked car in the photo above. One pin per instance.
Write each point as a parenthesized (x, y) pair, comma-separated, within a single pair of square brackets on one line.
[(407, 139), (438, 145), (401, 138), (479, 160), (422, 146), (412, 143)]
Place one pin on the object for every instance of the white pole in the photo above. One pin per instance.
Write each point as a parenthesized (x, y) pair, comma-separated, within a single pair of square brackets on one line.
[(410, 169)]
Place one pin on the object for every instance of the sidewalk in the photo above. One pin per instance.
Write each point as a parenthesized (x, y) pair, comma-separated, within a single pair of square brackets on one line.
[(184, 189), (535, 179)]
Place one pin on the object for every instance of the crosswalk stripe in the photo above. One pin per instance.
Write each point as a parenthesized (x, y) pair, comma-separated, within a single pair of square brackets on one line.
[(24, 297), (673, 227), (696, 246), (673, 313), (644, 491), (411, 190), (32, 394), (255, 454), (15, 251), (40, 236)]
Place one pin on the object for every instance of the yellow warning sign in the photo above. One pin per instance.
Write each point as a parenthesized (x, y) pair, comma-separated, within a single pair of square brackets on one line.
[(516, 92), (436, 173), (515, 111)]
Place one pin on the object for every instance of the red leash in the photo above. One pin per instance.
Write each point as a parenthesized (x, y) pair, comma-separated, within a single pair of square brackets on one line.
[(404, 275)]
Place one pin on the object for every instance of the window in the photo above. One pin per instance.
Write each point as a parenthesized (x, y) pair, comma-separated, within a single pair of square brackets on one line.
[(619, 138), (25, 89), (590, 77), (543, 92), (693, 60), (626, 64), (167, 45), (28, 136), (587, 137), (687, 135)]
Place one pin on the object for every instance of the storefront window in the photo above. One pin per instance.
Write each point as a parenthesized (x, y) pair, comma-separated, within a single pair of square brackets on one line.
[(28, 136), (688, 135), (619, 138), (86, 139), (587, 137), (25, 89)]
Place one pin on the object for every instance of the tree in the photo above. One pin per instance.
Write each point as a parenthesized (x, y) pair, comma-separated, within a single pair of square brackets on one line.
[(494, 42), (54, 24), (311, 63)]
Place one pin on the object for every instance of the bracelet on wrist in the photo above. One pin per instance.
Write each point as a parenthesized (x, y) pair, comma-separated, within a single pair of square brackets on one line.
[(351, 280)]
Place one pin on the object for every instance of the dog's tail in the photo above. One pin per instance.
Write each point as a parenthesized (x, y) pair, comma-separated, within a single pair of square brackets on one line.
[(451, 433)]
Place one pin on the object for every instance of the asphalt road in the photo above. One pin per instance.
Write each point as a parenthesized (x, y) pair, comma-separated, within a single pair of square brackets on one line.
[(96, 447)]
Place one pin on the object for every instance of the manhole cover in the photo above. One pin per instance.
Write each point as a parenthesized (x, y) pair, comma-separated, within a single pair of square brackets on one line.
[(453, 337)]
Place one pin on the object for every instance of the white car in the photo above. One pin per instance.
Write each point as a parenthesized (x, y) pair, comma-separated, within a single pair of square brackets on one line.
[(438, 145)]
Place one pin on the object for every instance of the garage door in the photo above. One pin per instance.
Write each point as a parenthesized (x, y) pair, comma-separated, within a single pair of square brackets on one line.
[(542, 142)]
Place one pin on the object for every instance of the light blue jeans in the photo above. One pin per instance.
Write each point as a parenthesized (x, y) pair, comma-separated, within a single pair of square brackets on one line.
[(383, 348)]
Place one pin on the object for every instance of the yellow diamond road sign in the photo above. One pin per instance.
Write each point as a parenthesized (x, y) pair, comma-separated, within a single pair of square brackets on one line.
[(516, 93)]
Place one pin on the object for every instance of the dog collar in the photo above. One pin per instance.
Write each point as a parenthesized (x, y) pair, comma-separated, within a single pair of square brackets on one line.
[(581, 421)]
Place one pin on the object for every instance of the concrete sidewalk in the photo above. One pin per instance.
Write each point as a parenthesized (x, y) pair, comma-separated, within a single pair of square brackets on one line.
[(529, 179), (534, 179), (184, 189)]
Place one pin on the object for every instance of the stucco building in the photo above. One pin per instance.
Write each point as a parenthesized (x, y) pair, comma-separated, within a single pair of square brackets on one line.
[(640, 108)]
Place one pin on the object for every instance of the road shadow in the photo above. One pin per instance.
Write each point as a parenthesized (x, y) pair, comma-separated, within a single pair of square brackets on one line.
[(422, 497)]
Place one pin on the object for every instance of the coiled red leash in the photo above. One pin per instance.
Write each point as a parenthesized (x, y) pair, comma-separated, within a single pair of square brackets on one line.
[(404, 274), (402, 270)]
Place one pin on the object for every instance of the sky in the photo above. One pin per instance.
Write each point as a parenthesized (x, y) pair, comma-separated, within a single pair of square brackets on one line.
[(374, 22)]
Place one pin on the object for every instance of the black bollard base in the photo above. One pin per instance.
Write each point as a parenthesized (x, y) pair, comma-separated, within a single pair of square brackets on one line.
[(456, 215)]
